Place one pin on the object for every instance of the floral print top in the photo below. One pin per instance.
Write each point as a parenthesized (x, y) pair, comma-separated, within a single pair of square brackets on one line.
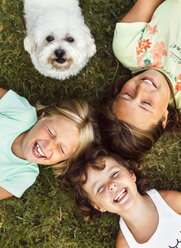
[(157, 44)]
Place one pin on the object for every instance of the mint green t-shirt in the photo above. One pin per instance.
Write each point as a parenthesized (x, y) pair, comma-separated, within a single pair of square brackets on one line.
[(157, 44), (16, 117)]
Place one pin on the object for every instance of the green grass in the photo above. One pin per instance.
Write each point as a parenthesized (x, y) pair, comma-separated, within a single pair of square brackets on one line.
[(46, 217)]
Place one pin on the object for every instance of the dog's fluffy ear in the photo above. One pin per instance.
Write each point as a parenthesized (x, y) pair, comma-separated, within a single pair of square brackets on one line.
[(91, 48), (29, 44)]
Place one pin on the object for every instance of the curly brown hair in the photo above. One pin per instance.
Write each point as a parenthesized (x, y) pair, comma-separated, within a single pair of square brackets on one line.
[(122, 137), (76, 176)]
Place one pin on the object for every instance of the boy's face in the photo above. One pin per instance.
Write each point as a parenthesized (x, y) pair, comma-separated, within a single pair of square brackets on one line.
[(112, 189), (143, 100), (50, 140)]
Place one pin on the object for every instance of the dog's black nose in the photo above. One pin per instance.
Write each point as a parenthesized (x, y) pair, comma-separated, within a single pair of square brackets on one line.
[(59, 53)]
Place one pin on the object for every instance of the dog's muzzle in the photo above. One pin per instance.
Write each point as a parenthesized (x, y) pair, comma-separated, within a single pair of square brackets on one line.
[(59, 53)]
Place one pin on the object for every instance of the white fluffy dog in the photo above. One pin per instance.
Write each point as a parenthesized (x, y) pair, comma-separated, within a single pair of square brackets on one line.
[(58, 41)]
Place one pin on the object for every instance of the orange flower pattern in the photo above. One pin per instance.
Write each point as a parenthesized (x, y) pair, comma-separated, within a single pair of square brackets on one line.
[(158, 51), (148, 54), (152, 52), (143, 45), (178, 85), (152, 30)]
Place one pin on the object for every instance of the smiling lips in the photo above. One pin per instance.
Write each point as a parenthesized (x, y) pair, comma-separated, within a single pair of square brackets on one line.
[(37, 151), (150, 81), (121, 195)]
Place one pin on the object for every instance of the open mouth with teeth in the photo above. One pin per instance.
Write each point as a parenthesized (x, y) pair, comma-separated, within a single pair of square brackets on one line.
[(119, 197), (150, 81), (37, 151)]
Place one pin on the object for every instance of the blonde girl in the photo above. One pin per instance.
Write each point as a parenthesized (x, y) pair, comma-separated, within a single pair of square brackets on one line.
[(54, 134)]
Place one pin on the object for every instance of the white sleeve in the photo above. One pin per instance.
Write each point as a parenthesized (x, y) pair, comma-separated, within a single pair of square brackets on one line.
[(125, 40)]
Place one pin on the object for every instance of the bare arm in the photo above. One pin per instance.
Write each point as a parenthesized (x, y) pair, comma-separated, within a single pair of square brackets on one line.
[(4, 194), (2, 92), (141, 11), (121, 241), (173, 199)]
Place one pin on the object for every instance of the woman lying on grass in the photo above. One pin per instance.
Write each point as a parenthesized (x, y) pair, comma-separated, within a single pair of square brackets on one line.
[(140, 108), (103, 181), (57, 136)]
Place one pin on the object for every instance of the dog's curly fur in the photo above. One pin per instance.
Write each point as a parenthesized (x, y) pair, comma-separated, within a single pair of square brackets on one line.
[(58, 40)]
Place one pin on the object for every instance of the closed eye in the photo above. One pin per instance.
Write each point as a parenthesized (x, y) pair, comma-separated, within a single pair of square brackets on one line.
[(146, 106), (147, 103), (100, 189), (62, 150), (126, 96), (50, 132), (115, 174)]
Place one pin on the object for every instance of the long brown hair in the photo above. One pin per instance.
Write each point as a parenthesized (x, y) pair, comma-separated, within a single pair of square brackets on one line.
[(126, 139)]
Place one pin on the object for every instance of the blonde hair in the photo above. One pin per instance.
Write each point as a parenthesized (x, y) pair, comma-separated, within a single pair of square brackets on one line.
[(82, 116)]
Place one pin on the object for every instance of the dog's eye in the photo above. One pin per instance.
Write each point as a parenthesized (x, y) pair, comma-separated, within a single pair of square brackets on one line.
[(49, 38), (70, 39)]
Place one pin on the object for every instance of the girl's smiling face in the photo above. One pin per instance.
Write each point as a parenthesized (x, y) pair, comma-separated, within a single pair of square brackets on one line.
[(111, 189), (50, 140), (143, 100)]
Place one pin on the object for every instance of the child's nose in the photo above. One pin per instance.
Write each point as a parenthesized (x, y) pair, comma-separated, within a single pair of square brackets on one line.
[(52, 145), (112, 186), (141, 90)]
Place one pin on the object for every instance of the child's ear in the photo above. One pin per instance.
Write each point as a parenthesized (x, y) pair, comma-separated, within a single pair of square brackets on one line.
[(98, 208), (133, 176), (41, 116), (164, 119)]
